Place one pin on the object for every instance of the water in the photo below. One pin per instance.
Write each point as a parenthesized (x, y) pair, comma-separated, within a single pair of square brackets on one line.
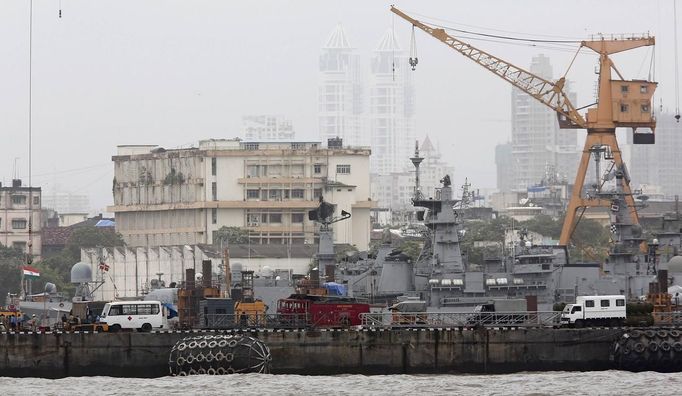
[(545, 383)]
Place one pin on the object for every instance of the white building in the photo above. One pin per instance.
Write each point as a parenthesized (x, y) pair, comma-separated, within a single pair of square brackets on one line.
[(655, 168), (267, 128), (65, 202), (176, 197), (391, 107), (17, 205), (340, 102), (537, 140)]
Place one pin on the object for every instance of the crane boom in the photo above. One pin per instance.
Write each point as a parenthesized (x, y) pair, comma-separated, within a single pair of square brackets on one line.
[(549, 93)]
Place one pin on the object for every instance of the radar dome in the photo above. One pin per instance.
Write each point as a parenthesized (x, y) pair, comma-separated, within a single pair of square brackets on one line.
[(675, 264), (81, 272), (50, 288)]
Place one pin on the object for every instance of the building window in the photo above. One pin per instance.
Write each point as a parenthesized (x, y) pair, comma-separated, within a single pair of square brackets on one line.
[(276, 195), (18, 224), (252, 219), (317, 169), (343, 169), (214, 166), (624, 89), (214, 215), (297, 146), (19, 245), (297, 218), (19, 199), (624, 108), (297, 193), (643, 88), (36, 200), (317, 193), (252, 171), (252, 194), (214, 191), (645, 108), (251, 146), (275, 217)]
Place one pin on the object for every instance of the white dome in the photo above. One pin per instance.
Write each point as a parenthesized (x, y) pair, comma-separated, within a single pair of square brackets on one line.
[(675, 264), (81, 272)]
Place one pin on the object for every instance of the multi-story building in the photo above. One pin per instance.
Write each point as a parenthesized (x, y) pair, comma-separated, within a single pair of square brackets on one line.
[(340, 102), (391, 107), (174, 197), (505, 167), (65, 202), (18, 204), (267, 128), (537, 140), (657, 166)]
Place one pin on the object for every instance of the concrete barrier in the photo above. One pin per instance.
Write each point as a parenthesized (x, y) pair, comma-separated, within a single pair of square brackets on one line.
[(365, 351)]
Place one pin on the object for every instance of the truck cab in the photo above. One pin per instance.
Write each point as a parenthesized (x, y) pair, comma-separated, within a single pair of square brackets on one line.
[(571, 313)]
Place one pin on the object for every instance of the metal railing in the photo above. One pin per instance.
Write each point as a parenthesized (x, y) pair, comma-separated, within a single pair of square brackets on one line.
[(485, 319)]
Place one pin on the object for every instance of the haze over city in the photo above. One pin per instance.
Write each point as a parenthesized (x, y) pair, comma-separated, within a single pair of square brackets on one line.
[(172, 73)]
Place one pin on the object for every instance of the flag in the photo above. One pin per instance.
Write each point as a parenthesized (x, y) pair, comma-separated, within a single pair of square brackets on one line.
[(103, 266), (30, 272), (614, 228)]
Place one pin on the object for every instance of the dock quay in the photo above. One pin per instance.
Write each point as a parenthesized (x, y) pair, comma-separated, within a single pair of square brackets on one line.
[(321, 352)]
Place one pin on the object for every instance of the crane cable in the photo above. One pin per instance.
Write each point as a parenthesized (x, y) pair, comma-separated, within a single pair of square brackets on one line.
[(677, 70)]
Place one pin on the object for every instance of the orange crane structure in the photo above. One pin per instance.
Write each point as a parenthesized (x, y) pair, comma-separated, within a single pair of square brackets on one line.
[(621, 103)]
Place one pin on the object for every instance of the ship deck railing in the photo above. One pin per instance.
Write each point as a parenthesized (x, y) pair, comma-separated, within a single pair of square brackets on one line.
[(461, 319)]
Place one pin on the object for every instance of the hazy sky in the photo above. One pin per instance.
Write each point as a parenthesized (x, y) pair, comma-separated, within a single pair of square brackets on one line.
[(173, 72)]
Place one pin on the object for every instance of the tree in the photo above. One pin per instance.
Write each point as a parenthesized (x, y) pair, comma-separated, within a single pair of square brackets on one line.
[(10, 276), (412, 249), (232, 235)]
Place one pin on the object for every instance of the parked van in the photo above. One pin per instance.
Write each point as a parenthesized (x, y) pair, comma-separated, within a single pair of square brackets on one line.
[(138, 315), (595, 311)]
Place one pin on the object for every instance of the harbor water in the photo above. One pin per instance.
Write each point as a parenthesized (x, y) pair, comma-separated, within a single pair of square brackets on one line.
[(545, 383)]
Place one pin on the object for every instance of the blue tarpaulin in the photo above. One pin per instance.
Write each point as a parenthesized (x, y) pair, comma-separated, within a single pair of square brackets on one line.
[(105, 223), (335, 289)]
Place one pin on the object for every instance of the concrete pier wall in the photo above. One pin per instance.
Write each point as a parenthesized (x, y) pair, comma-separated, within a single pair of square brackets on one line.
[(56, 355)]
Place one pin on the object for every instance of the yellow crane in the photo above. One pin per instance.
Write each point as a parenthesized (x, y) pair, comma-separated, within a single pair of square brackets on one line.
[(621, 103)]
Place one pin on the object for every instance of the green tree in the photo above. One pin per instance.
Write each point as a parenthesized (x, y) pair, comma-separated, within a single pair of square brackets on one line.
[(232, 235), (412, 248), (10, 277)]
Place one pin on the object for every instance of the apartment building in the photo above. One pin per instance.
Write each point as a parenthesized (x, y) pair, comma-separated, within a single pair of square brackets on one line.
[(175, 197), (18, 204)]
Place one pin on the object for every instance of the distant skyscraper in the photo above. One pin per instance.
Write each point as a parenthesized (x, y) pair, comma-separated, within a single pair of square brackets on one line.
[(658, 165), (391, 108), (537, 141), (505, 167), (340, 101), (267, 128)]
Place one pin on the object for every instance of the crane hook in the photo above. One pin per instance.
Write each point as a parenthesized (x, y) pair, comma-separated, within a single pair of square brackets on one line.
[(413, 51)]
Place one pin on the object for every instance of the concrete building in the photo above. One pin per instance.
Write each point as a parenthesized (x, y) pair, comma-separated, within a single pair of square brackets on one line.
[(537, 140), (391, 108), (65, 202), (655, 168), (341, 101), (18, 204), (504, 163), (176, 197), (267, 128)]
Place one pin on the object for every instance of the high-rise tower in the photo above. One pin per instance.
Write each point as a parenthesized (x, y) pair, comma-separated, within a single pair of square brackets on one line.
[(391, 107), (340, 91), (536, 139)]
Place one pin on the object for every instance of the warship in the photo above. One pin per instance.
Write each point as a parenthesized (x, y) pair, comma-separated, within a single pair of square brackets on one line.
[(447, 281)]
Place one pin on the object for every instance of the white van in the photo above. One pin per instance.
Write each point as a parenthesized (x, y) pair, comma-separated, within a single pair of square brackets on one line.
[(595, 310), (139, 315)]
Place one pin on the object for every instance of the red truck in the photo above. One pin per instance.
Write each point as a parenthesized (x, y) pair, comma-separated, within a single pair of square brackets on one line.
[(320, 311)]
